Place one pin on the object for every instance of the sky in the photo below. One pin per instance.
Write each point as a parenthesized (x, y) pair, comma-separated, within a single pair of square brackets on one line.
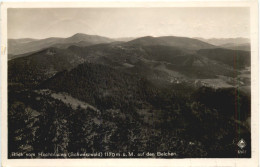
[(129, 22)]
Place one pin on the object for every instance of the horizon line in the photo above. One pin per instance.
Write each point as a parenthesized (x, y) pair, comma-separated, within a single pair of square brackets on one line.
[(196, 37)]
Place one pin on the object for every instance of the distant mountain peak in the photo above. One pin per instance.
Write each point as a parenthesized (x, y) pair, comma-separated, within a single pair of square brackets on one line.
[(78, 34), (147, 37)]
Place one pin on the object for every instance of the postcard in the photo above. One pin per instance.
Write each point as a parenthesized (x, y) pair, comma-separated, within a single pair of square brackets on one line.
[(129, 84)]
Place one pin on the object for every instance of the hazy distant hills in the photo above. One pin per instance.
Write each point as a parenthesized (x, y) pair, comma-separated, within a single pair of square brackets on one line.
[(223, 41), (26, 46), (243, 46), (229, 43), (21, 46), (14, 42)]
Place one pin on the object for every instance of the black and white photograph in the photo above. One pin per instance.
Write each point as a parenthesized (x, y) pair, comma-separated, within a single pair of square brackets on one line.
[(129, 83)]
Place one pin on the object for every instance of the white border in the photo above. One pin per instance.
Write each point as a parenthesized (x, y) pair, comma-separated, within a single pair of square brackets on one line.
[(243, 162)]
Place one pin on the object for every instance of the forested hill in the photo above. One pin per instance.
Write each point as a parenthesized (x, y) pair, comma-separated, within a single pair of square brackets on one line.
[(235, 58), (90, 82), (180, 42), (39, 66)]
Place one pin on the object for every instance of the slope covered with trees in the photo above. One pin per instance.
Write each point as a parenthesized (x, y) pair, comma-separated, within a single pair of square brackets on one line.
[(139, 96)]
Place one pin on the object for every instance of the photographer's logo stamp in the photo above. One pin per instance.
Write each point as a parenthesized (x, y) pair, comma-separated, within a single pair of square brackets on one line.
[(241, 144)]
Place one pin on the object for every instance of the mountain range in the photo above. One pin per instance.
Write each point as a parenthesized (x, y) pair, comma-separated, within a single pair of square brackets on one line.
[(161, 59), (19, 47)]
